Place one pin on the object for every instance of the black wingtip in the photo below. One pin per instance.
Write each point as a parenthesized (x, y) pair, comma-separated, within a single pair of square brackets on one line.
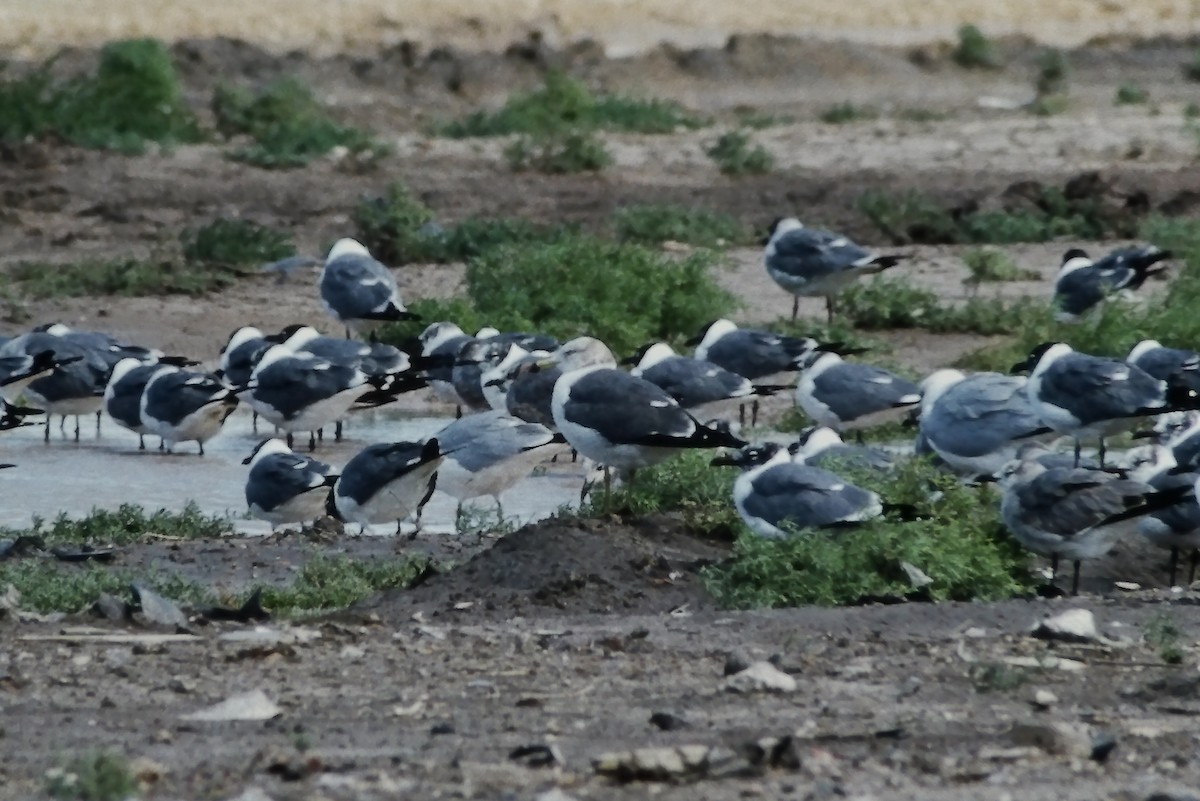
[(431, 450), (888, 262)]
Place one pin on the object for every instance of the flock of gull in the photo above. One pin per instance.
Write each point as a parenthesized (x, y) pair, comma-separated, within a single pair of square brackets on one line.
[(525, 396)]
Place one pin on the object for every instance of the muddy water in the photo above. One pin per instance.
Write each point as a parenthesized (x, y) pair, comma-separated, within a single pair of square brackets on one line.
[(71, 477)]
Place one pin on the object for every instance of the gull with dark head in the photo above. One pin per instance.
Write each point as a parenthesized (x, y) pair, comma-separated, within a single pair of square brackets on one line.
[(816, 263), (1083, 283)]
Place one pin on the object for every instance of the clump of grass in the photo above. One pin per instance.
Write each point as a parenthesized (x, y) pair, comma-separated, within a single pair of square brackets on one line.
[(326, 583), (484, 521), (1051, 84), (124, 277), (960, 543), (563, 103), (288, 126), (974, 50), (887, 303), (50, 586), (1130, 95), (921, 115), (134, 98), (558, 154), (92, 776), (1191, 70), (758, 120), (126, 524), (1163, 634), (235, 242), (988, 677), (847, 112), (735, 154), (911, 217), (988, 265), (625, 294), (658, 223)]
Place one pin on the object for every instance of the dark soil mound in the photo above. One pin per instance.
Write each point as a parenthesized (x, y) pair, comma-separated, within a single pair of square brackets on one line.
[(569, 566)]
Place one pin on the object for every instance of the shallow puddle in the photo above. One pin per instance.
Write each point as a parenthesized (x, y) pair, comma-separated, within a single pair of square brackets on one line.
[(64, 476)]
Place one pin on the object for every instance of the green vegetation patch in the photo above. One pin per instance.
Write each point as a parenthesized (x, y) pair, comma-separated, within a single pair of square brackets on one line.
[(735, 153), (563, 103), (126, 524), (1130, 95), (988, 265), (654, 224), (288, 126), (327, 583), (558, 153), (47, 585), (125, 277), (235, 242), (133, 98), (975, 50), (959, 543), (848, 112), (92, 776), (888, 303)]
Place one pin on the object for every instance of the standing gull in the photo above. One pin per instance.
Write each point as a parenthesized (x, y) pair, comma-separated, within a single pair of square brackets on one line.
[(386, 482), (1175, 365), (1083, 283), (123, 395), (186, 406), (822, 447), (777, 497), (357, 290), (843, 395), (284, 487), (618, 420), (754, 353), (1091, 397), (817, 263), (976, 424), (443, 339)]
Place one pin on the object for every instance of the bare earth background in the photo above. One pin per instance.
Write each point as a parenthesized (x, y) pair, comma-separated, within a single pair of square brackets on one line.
[(572, 634)]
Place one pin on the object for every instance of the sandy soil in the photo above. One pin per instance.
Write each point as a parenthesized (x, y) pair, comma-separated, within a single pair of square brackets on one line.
[(570, 633)]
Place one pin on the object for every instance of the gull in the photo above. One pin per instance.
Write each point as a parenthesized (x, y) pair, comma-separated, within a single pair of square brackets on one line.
[(284, 487), (1088, 397), (240, 356), (1175, 365), (523, 388), (1176, 527), (12, 416), (822, 447), (1073, 513), (489, 453), (16, 372), (976, 424), (387, 481), (777, 497), (695, 382), (181, 405), (443, 339), (485, 352), (357, 290), (754, 353), (123, 395), (617, 420), (1083, 283), (815, 262), (841, 395)]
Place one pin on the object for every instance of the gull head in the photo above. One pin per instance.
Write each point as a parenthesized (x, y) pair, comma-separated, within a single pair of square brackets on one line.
[(347, 247)]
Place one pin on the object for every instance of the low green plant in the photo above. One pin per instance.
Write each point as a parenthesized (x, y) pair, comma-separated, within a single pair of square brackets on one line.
[(921, 115), (1191, 111), (734, 153), (988, 265), (758, 120), (1052, 73), (50, 586), (974, 50), (1163, 634), (133, 98), (847, 112), (558, 154), (1191, 70), (888, 303), (395, 227), (657, 223), (327, 583), (1129, 95), (126, 524), (92, 776), (484, 521), (235, 242), (562, 104), (124, 277), (988, 677), (288, 126), (958, 541)]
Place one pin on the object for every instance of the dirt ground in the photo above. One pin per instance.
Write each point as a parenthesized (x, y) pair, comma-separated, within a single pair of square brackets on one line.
[(572, 634)]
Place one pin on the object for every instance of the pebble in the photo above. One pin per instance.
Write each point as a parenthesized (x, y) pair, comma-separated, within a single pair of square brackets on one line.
[(668, 721), (1073, 625), (760, 677), (1044, 699), (1057, 737)]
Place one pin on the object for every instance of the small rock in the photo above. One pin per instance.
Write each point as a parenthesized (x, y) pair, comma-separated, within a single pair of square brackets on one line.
[(252, 794), (1127, 586), (737, 661), (667, 764), (181, 685), (1073, 625), (1103, 744), (554, 794), (917, 577), (668, 721), (1044, 699), (760, 677), (146, 771), (157, 609), (538, 755), (111, 608), (1059, 738), (352, 652), (438, 729), (254, 705)]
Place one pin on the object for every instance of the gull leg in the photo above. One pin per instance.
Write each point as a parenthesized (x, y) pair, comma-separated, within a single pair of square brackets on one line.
[(46, 433), (795, 307), (1103, 452), (62, 423), (162, 444), (320, 435), (829, 308), (458, 412), (1078, 452), (141, 442), (754, 413), (337, 431), (1053, 568), (254, 422), (77, 428), (607, 488), (574, 456), (312, 442), (98, 423), (1195, 560), (201, 444), (290, 439), (1174, 563), (742, 413), (1075, 578)]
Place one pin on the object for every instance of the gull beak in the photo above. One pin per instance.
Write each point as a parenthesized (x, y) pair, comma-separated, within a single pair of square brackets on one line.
[(1020, 367), (725, 460), (630, 360), (247, 460)]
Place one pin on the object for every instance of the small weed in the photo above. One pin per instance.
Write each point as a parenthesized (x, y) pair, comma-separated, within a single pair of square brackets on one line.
[(887, 303), (287, 124), (655, 224), (395, 227), (326, 583), (1163, 633), (93, 776), (234, 242), (921, 115), (1130, 95), (562, 104), (974, 50), (558, 154), (989, 677), (1191, 70), (126, 277), (734, 154), (126, 524), (484, 521), (960, 543), (757, 120), (134, 98), (1049, 105), (847, 112), (986, 264), (1191, 111), (625, 294), (1052, 73), (50, 586)]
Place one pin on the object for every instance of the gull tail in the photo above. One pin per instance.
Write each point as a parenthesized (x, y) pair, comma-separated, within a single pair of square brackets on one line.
[(771, 389), (1143, 265), (880, 263), (1152, 502), (391, 314)]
